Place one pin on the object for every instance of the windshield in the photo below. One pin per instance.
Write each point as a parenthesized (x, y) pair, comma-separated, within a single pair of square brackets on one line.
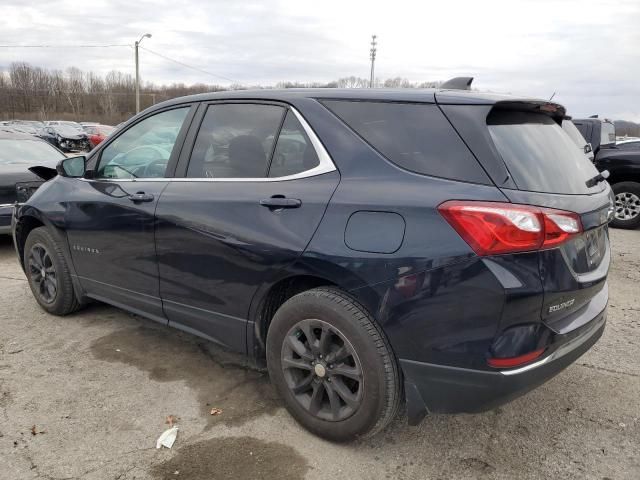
[(574, 133), (539, 155), (32, 152), (607, 134)]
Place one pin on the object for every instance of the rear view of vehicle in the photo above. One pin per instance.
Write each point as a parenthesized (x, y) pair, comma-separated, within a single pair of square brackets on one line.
[(547, 244), (502, 261)]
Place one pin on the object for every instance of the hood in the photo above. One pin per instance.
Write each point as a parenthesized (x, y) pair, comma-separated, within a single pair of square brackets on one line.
[(69, 136)]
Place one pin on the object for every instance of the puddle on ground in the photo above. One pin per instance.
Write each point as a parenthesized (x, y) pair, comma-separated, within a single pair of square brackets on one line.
[(233, 458), (168, 356)]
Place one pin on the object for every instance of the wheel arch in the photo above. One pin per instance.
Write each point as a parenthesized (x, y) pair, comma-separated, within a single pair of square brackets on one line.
[(24, 225), (265, 307), (30, 218)]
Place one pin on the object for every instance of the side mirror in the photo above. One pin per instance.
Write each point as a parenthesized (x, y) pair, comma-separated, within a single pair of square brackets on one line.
[(588, 148), (73, 167)]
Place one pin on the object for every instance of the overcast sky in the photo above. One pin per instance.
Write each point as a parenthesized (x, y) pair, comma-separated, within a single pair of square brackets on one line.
[(586, 51)]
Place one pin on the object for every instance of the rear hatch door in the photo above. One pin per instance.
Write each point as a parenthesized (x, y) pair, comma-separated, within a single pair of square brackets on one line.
[(534, 162)]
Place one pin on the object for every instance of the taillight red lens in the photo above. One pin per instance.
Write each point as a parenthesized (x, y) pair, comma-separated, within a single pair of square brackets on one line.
[(514, 361), (492, 228)]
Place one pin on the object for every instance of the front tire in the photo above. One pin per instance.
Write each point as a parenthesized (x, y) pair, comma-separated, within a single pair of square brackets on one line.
[(627, 208), (332, 365), (48, 273)]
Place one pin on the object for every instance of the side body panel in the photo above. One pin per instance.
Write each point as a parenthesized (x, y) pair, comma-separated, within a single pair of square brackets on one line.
[(112, 241), (623, 165), (217, 245)]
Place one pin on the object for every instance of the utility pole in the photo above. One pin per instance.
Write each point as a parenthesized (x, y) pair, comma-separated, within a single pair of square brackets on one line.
[(372, 56), (137, 44)]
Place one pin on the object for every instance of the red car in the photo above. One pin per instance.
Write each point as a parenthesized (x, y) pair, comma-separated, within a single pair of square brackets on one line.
[(97, 133)]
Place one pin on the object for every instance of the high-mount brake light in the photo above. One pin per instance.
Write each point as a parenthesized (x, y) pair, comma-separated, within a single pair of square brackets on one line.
[(493, 228)]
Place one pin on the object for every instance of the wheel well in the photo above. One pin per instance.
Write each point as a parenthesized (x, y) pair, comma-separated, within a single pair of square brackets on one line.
[(23, 228), (276, 296)]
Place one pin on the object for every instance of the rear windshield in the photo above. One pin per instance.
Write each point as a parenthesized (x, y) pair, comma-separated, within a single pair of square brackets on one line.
[(416, 137), (539, 155)]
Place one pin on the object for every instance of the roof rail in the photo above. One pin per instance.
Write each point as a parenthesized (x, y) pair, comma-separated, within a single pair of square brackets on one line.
[(458, 83)]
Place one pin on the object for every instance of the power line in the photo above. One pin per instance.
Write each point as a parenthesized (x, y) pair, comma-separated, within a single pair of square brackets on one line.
[(66, 46), (189, 66)]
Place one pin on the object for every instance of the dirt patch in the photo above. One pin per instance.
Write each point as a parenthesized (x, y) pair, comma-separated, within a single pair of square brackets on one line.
[(170, 356), (233, 458)]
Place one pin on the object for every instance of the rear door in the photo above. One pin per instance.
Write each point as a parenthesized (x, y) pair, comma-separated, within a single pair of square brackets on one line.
[(542, 167), (256, 182)]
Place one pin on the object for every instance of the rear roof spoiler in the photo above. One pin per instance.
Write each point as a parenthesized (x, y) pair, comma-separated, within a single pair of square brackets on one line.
[(458, 83)]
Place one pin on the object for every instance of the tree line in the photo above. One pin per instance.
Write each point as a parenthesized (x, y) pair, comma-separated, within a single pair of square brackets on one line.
[(34, 93)]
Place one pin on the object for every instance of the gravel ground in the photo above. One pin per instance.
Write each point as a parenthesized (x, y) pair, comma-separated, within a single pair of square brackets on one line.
[(86, 396)]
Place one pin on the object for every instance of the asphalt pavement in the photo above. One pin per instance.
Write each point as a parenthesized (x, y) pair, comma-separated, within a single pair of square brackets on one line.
[(86, 397)]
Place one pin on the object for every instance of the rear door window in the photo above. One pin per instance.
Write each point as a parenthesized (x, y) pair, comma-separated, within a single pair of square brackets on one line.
[(235, 140), (416, 137), (294, 152), (539, 155)]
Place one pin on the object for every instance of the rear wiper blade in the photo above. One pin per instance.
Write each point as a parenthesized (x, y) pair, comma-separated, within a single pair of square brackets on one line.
[(601, 177)]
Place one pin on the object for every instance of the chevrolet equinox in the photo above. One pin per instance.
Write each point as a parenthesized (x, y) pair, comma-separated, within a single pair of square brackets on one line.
[(447, 249)]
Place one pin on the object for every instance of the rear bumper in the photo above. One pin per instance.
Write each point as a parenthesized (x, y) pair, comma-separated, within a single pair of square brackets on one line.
[(433, 388)]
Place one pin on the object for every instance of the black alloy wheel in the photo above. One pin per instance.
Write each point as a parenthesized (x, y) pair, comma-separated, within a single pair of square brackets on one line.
[(332, 365), (322, 370), (42, 272), (48, 273)]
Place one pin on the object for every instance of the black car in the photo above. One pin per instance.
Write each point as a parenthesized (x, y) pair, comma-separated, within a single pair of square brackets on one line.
[(623, 164), (19, 152), (622, 161), (65, 138), (371, 246), (599, 132)]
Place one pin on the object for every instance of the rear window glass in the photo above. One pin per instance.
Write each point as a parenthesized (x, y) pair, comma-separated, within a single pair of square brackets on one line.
[(607, 133), (416, 137), (539, 155)]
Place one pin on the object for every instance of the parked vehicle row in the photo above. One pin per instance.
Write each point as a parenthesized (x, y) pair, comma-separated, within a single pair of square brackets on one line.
[(445, 248), (66, 135), (19, 152)]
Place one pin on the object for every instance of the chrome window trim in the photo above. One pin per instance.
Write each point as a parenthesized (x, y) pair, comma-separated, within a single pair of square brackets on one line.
[(325, 165)]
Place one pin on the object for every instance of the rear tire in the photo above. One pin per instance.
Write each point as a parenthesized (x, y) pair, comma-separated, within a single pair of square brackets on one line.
[(345, 382), (627, 207), (48, 273)]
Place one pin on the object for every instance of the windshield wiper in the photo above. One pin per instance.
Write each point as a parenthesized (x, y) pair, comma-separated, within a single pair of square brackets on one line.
[(601, 177)]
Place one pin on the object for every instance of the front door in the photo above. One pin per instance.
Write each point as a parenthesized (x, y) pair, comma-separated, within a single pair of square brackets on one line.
[(111, 224), (257, 185)]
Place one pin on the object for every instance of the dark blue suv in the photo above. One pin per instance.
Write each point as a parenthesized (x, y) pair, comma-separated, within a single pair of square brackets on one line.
[(444, 248)]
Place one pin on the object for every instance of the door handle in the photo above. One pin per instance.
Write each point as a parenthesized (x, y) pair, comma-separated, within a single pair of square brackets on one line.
[(141, 197), (277, 201)]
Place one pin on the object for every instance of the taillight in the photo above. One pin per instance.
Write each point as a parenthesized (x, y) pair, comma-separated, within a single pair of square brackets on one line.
[(492, 228), (510, 362)]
